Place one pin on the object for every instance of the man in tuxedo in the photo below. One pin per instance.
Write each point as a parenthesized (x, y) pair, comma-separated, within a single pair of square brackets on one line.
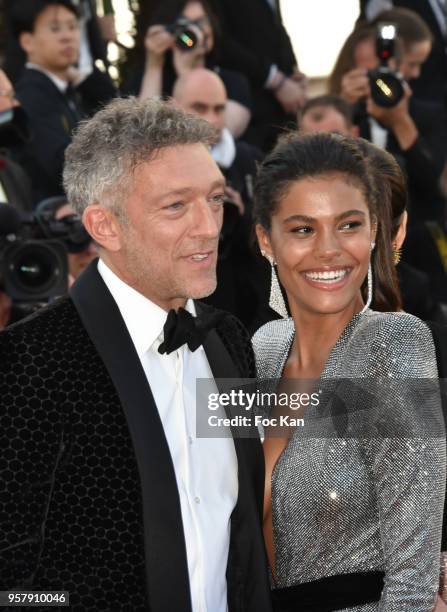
[(108, 493)]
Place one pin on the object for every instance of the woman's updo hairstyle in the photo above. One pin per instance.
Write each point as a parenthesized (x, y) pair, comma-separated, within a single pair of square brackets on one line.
[(298, 156)]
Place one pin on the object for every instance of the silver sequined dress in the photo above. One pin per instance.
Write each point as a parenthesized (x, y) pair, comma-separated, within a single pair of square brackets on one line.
[(357, 505)]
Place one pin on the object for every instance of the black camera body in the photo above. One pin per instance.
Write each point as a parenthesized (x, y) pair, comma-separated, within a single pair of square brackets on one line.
[(387, 86), (33, 254), (185, 37)]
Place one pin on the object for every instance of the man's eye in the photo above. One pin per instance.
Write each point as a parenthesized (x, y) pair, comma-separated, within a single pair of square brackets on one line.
[(175, 206), (218, 198)]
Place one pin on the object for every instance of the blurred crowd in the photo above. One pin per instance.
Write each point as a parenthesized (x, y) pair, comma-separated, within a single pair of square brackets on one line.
[(233, 64)]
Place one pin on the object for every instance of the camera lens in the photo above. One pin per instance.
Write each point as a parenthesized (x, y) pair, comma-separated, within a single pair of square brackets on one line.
[(35, 270), (386, 88), (186, 40), (34, 267)]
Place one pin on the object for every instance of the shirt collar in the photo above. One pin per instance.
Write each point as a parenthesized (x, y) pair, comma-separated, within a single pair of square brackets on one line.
[(60, 83), (143, 318)]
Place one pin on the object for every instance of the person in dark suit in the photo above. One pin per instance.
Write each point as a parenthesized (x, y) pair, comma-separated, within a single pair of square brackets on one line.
[(111, 495), (255, 42), (48, 31), (93, 85)]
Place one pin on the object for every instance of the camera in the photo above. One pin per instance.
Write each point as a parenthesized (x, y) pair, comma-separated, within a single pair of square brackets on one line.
[(185, 37), (33, 255), (386, 86)]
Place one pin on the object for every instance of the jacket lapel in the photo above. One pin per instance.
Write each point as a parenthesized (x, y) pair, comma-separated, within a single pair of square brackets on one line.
[(165, 550)]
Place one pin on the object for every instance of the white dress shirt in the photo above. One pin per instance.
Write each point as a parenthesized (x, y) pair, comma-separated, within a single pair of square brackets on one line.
[(205, 468)]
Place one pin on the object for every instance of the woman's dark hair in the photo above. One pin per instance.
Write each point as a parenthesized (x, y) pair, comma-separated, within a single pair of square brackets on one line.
[(345, 60), (390, 180), (298, 157)]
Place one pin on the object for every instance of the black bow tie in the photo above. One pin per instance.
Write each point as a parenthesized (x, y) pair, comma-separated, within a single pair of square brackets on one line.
[(182, 328)]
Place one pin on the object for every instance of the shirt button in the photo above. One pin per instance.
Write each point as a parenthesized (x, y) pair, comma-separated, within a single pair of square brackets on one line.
[(197, 500), (190, 440)]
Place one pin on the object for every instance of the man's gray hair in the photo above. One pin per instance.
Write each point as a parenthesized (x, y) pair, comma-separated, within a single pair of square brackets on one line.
[(106, 149)]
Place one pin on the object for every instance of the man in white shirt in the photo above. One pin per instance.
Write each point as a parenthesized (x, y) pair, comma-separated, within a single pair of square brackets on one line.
[(141, 513)]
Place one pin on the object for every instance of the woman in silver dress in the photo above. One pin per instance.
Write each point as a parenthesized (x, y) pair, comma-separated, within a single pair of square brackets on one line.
[(350, 523)]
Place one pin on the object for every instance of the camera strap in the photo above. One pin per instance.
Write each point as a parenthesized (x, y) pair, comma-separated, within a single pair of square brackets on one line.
[(440, 238)]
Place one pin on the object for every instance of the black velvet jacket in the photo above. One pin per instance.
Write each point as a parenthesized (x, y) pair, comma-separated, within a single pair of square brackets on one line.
[(89, 502)]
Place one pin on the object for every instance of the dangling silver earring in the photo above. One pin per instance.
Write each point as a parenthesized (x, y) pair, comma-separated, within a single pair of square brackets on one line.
[(276, 301), (369, 296)]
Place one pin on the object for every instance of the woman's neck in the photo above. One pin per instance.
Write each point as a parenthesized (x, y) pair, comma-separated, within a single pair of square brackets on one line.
[(316, 335)]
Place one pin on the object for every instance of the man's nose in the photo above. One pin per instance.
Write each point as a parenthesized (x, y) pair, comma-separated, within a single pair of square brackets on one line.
[(69, 33), (206, 221)]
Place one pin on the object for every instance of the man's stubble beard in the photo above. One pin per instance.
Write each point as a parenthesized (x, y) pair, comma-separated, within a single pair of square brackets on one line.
[(149, 285)]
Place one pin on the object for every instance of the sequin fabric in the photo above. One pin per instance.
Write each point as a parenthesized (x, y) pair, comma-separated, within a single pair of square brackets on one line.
[(356, 505)]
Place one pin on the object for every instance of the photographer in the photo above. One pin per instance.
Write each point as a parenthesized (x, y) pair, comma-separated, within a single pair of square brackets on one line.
[(403, 129), (173, 38)]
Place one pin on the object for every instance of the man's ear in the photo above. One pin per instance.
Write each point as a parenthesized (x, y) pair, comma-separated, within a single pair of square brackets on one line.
[(26, 42), (103, 227)]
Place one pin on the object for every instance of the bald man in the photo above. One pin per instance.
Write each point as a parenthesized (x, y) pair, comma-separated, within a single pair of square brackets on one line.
[(240, 281)]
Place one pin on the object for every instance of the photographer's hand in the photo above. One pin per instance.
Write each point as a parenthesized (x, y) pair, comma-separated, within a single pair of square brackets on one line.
[(290, 93), (157, 41), (234, 198), (355, 85), (396, 119)]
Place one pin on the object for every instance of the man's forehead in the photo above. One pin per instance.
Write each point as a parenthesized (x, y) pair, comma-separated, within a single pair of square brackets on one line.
[(319, 112), (182, 166), (207, 100)]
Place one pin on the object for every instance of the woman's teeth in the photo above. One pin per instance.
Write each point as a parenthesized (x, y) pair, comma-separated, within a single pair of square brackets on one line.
[(199, 257), (330, 276)]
